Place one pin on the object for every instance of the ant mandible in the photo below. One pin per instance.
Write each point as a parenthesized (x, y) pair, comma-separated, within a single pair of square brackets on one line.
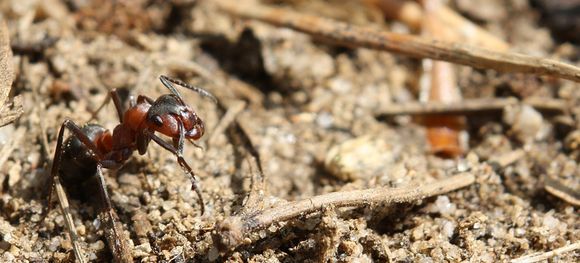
[(92, 147)]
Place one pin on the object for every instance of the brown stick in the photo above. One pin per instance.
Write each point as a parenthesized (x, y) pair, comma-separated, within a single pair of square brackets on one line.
[(233, 231), (468, 106), (350, 35)]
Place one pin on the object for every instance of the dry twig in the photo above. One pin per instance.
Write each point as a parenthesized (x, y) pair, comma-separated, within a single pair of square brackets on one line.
[(469, 106), (550, 254), (234, 231), (350, 35)]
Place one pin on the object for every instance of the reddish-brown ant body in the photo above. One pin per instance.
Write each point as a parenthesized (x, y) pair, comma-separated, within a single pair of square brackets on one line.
[(92, 147)]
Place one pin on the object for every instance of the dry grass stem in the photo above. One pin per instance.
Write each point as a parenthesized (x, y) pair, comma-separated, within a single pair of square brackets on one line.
[(469, 106), (550, 254), (419, 47), (232, 231), (562, 191)]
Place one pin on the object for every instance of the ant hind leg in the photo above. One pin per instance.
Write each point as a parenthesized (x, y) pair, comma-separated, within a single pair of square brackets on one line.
[(55, 185), (113, 229)]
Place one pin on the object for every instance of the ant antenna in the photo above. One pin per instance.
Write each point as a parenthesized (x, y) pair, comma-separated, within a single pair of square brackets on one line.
[(167, 83)]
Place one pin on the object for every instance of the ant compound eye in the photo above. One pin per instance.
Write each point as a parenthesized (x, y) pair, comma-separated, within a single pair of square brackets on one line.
[(157, 120)]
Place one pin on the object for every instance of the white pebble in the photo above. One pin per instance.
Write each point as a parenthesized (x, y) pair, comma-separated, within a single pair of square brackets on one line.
[(444, 206), (448, 228)]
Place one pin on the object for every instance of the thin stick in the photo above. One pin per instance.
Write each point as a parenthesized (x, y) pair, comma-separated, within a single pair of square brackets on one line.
[(563, 191), (468, 106), (419, 47), (545, 256), (233, 231)]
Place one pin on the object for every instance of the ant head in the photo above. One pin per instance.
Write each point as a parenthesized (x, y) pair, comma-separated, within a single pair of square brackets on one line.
[(168, 112)]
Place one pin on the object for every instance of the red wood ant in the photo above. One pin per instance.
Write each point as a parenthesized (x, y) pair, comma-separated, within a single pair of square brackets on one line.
[(92, 147)]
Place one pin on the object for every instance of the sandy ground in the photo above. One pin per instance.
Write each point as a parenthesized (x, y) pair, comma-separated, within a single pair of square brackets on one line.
[(304, 97)]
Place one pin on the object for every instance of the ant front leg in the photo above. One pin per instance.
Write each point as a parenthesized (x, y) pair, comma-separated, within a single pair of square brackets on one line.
[(177, 150)]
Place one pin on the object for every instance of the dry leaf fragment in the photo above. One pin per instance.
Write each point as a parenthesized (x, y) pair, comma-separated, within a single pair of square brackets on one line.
[(6, 68), (8, 111)]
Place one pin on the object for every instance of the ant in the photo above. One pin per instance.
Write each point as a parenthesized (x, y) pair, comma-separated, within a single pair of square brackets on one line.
[(91, 148)]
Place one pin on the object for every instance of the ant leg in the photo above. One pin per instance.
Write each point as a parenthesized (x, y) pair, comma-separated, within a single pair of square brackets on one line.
[(57, 157), (77, 132), (142, 98), (63, 200), (113, 229), (167, 83), (118, 104), (114, 95), (94, 113), (178, 152)]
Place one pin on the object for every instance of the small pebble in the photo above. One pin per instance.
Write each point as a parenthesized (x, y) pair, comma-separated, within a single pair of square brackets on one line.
[(359, 158), (525, 121)]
